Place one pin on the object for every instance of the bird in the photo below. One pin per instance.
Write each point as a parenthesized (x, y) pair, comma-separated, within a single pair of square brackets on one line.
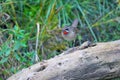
[(69, 33)]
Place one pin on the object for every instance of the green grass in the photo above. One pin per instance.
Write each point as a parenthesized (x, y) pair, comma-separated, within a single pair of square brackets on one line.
[(99, 21)]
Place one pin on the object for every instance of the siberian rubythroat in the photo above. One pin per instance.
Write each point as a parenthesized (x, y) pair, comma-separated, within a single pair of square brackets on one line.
[(69, 33)]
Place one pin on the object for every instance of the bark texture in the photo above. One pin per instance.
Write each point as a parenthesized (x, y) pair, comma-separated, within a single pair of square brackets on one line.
[(99, 62)]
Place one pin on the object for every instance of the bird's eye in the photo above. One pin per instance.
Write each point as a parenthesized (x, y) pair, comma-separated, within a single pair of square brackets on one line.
[(67, 29)]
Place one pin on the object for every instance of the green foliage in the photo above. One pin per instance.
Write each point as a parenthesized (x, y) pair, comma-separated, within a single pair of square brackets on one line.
[(98, 21)]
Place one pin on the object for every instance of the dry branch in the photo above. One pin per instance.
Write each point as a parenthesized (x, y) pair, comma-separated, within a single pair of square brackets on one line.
[(99, 62)]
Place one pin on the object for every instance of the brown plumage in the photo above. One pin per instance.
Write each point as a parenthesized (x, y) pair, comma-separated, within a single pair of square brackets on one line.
[(70, 32)]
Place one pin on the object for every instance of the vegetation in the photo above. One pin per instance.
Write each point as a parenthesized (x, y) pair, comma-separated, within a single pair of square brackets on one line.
[(98, 21)]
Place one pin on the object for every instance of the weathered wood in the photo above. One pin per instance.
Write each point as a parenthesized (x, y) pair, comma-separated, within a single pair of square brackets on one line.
[(99, 62)]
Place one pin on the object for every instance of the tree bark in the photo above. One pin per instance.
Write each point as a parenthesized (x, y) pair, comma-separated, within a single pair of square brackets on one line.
[(99, 62)]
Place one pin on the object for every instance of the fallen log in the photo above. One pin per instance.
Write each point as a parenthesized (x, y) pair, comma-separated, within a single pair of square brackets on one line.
[(99, 62)]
